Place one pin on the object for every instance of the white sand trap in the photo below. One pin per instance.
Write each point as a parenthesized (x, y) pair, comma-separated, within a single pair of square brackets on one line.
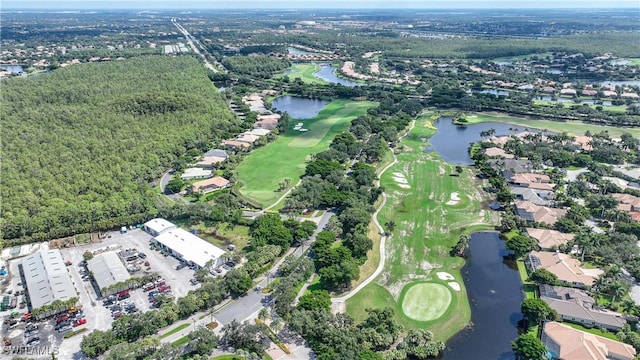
[(473, 116), (445, 276), (398, 174), (400, 180), (454, 285), (405, 186), (455, 198)]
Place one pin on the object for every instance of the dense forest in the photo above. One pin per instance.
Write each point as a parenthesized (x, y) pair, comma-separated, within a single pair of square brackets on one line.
[(82, 144)]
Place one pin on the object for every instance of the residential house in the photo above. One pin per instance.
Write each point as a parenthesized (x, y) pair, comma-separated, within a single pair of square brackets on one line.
[(589, 92), (566, 343), (258, 132), (497, 152), (609, 94), (566, 268), (512, 165), (196, 173), (574, 305), (530, 180), (549, 239), (629, 95), (236, 145), (584, 142), (211, 158), (538, 197), (629, 203), (568, 92), (249, 139), (542, 214), (209, 185)]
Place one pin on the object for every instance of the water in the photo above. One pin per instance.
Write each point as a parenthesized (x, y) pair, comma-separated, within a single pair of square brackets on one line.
[(621, 83), (299, 108), (495, 293), (296, 52), (495, 92), (16, 69), (620, 62), (452, 142), (326, 73)]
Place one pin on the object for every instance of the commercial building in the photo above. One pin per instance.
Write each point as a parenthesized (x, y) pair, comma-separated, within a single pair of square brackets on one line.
[(156, 226), (107, 269), (47, 278), (190, 248)]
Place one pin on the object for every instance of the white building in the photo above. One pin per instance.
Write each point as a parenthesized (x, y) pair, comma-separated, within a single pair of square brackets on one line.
[(156, 226), (190, 248), (47, 278), (107, 269), (196, 173)]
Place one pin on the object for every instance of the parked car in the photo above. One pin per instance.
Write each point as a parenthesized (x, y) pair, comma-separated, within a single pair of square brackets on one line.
[(33, 341), (79, 322), (65, 328), (180, 266), (142, 255), (164, 288), (117, 315), (194, 281), (123, 295), (29, 333), (149, 286), (31, 327), (62, 318), (63, 324)]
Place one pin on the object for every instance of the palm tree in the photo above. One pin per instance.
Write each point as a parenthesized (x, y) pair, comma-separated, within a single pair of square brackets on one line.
[(263, 314), (617, 290), (276, 325), (629, 307)]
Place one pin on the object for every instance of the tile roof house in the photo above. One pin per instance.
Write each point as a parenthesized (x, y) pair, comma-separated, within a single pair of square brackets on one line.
[(196, 173), (532, 212), (566, 268), (246, 138), (589, 92), (584, 142), (574, 305), (530, 180), (497, 152), (234, 144), (211, 158), (549, 239), (567, 343), (512, 165), (629, 203), (209, 185)]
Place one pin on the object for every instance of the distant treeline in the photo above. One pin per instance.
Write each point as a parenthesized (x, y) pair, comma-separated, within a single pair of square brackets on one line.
[(82, 144)]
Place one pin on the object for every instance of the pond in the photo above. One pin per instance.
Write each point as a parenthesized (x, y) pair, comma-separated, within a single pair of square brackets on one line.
[(621, 83), (299, 108), (452, 142), (296, 52), (327, 74), (495, 293), (16, 69)]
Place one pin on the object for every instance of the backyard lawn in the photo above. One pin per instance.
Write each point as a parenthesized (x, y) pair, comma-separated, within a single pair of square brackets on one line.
[(431, 209), (289, 153)]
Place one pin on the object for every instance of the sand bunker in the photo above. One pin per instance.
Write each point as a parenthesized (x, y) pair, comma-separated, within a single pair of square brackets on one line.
[(445, 276), (401, 180), (405, 186), (455, 198), (454, 285)]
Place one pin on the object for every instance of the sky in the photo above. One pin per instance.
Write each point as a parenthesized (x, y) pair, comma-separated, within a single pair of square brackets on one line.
[(315, 4)]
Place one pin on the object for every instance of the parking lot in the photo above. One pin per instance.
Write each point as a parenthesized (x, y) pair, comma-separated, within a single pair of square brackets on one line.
[(97, 315)]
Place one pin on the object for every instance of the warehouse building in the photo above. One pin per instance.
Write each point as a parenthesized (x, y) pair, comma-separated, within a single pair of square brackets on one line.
[(107, 269), (47, 279), (156, 226), (190, 248)]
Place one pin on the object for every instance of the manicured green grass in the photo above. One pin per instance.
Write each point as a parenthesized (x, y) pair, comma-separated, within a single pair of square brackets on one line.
[(227, 357), (618, 109), (174, 330), (305, 72), (574, 127), (606, 334), (425, 301), (183, 340), (426, 230), (262, 170)]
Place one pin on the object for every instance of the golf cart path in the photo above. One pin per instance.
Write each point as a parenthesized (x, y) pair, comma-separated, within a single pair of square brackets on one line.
[(338, 304)]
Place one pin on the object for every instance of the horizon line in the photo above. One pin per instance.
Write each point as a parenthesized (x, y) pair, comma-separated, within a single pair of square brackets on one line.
[(329, 8)]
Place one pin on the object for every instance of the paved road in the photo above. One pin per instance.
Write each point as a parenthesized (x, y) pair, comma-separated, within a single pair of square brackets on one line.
[(244, 307), (192, 43)]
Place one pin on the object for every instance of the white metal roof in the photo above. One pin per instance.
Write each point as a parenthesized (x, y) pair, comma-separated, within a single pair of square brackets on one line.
[(158, 225), (189, 246), (107, 269), (195, 172), (47, 278)]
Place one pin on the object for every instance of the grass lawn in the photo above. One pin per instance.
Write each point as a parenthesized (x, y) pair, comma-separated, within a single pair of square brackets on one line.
[(305, 72), (425, 301), (607, 334), (174, 330), (618, 109), (574, 127), (183, 340), (426, 230), (227, 357), (220, 235), (290, 151)]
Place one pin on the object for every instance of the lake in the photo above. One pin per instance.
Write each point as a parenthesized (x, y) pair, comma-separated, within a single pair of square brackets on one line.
[(452, 142), (296, 52), (327, 74), (16, 69), (495, 294), (299, 108)]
